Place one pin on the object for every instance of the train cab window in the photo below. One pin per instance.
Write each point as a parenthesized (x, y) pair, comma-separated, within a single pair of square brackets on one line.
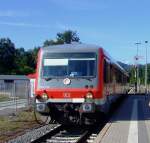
[(69, 65)]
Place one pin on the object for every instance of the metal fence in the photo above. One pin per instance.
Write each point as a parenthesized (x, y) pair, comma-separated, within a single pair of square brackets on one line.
[(142, 89), (16, 89), (15, 95)]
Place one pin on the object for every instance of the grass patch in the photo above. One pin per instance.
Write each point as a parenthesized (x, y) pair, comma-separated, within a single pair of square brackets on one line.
[(11, 126), (4, 98)]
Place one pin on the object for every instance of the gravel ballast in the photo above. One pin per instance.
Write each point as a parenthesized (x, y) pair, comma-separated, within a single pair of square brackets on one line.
[(34, 134)]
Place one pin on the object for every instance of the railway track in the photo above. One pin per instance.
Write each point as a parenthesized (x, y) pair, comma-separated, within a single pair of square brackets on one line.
[(86, 134), (60, 134), (74, 136)]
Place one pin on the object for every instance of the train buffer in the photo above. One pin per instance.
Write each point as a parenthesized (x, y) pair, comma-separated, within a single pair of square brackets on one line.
[(130, 123)]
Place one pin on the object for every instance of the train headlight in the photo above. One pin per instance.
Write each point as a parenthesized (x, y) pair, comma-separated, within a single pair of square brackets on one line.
[(89, 95), (44, 96)]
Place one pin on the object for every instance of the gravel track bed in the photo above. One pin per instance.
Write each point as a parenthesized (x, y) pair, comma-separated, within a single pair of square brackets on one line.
[(33, 134)]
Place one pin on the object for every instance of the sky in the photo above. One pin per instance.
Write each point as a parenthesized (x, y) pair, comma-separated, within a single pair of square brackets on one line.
[(116, 25)]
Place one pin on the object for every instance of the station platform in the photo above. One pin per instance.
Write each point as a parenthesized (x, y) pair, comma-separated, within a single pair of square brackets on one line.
[(130, 123)]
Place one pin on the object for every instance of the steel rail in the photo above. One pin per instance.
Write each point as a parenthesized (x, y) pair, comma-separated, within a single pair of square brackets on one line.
[(49, 134)]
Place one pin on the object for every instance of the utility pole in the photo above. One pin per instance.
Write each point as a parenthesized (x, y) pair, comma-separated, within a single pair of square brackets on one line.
[(137, 68), (146, 42)]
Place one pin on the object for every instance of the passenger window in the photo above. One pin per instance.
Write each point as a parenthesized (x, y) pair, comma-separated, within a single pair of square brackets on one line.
[(111, 73), (118, 76)]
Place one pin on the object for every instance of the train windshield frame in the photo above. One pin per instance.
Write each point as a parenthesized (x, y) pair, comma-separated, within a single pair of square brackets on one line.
[(71, 65)]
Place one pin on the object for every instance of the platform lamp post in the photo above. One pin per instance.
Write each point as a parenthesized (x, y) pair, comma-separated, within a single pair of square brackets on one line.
[(137, 68), (146, 42)]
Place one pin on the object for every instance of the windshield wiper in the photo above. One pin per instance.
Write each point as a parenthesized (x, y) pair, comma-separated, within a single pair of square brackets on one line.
[(87, 78), (48, 78)]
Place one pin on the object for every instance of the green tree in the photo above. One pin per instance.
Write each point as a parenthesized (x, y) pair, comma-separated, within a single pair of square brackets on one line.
[(19, 60), (68, 37), (49, 42), (7, 56), (148, 73), (142, 74), (26, 60), (30, 58), (132, 75), (62, 38)]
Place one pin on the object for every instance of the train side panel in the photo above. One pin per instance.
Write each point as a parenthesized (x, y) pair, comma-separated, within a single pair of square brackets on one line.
[(115, 80)]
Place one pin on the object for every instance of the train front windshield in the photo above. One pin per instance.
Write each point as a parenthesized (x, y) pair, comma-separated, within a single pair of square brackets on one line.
[(69, 65)]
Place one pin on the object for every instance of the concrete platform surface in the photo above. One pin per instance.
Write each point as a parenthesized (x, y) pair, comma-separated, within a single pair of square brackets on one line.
[(130, 123)]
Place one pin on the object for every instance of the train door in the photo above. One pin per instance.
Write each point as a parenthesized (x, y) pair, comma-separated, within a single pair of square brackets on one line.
[(106, 78), (110, 83)]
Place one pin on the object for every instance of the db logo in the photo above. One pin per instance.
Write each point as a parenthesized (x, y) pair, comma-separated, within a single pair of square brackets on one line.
[(66, 81), (66, 95)]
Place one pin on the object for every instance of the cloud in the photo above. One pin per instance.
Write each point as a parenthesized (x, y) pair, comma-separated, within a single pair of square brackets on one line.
[(21, 24), (11, 13)]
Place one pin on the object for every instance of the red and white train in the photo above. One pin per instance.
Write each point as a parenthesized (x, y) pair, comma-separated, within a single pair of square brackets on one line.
[(76, 83)]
